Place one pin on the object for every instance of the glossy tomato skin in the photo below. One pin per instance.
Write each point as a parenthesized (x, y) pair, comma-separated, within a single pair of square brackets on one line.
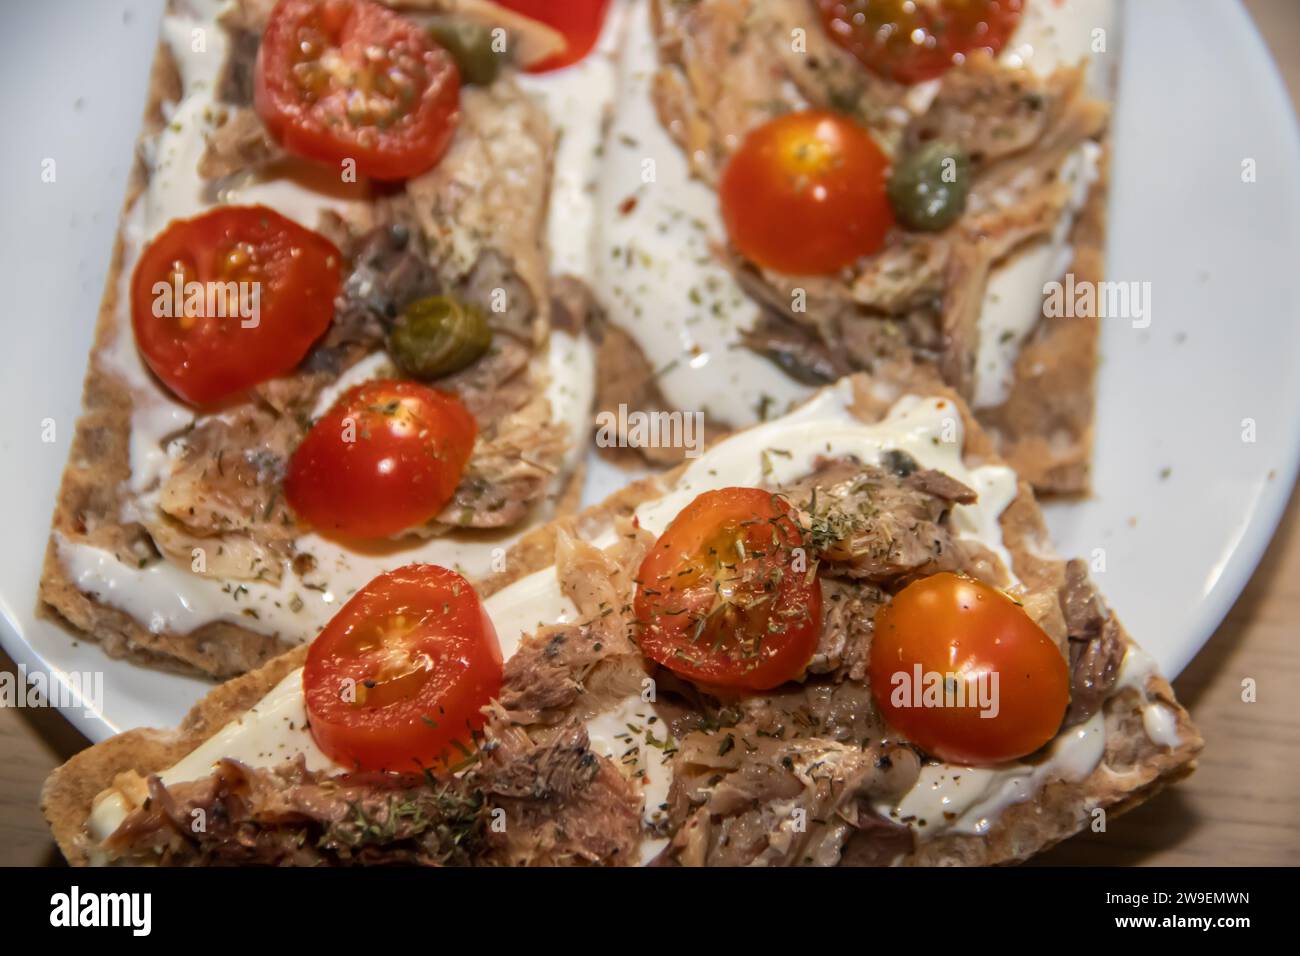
[(805, 194), (207, 357), (385, 458), (397, 680), (746, 617), (883, 34), (949, 624), (350, 79), (579, 20)]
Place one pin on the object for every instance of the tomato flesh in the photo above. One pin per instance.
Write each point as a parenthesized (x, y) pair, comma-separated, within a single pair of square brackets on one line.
[(805, 194), (946, 630), (399, 677), (231, 298), (911, 41), (724, 597), (341, 80), (385, 458), (579, 20)]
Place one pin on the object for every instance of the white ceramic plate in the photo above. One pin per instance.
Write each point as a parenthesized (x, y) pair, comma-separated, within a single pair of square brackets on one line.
[(1183, 506)]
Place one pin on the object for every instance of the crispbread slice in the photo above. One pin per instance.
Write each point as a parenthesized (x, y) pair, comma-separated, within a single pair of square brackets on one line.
[(1132, 769), (1044, 425), (90, 504)]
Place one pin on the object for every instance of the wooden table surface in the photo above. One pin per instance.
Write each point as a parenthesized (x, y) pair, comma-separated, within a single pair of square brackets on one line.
[(1239, 808)]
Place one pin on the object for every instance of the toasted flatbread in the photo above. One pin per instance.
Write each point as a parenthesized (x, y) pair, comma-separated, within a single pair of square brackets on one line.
[(1132, 768), (726, 66), (96, 507)]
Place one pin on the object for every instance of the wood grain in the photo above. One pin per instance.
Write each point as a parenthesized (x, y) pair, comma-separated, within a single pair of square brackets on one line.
[(1239, 809)]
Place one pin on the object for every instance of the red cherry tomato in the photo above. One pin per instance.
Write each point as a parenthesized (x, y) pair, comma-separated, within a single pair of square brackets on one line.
[(579, 20), (805, 194), (400, 675), (231, 298), (723, 597), (385, 458), (910, 41), (350, 79), (946, 630)]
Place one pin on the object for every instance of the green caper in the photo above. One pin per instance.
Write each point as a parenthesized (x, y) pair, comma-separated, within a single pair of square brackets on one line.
[(436, 336), (470, 45), (928, 187)]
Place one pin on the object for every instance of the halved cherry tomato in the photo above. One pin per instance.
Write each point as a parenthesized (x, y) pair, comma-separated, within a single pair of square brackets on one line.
[(385, 458), (231, 298), (398, 678), (726, 596), (350, 79), (579, 20), (946, 630), (805, 194), (910, 41)]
